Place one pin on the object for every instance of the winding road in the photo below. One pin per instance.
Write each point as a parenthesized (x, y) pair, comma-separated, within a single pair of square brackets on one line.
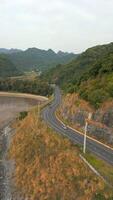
[(96, 148)]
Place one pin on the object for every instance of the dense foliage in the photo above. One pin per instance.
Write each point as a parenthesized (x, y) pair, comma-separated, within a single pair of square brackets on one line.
[(97, 90), (90, 74), (7, 68), (96, 85), (48, 166), (26, 86)]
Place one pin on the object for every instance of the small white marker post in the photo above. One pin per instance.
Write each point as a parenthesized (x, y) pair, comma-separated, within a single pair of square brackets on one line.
[(39, 103), (85, 133)]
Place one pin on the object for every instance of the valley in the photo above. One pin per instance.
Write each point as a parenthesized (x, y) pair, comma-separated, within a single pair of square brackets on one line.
[(55, 128)]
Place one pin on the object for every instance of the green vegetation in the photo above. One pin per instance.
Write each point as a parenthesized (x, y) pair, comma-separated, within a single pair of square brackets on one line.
[(90, 75), (99, 196), (33, 59), (36, 86), (97, 90), (96, 86), (48, 166), (14, 62), (7, 68), (22, 115)]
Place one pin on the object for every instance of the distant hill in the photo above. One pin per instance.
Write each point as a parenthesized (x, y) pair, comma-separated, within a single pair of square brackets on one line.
[(9, 51), (7, 68), (34, 58), (90, 74)]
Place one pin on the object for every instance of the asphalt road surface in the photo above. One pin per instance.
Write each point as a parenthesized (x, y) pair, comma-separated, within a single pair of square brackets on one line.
[(48, 115)]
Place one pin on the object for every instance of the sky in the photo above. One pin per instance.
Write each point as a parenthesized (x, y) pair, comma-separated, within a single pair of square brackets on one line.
[(67, 25)]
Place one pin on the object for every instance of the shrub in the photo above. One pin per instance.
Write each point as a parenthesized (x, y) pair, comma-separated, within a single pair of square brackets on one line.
[(22, 115), (99, 196), (97, 97)]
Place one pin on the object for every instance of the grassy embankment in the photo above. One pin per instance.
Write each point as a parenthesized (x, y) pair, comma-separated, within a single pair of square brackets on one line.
[(102, 167), (48, 166)]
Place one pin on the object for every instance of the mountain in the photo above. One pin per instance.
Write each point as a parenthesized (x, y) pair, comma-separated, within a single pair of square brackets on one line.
[(7, 68), (90, 74), (61, 53), (34, 58), (9, 51)]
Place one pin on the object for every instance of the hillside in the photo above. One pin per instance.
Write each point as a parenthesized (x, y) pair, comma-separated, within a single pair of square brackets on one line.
[(7, 68), (74, 111), (37, 59), (48, 166), (90, 74)]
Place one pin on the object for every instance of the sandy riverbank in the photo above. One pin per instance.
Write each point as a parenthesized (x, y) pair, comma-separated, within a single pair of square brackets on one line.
[(10, 106)]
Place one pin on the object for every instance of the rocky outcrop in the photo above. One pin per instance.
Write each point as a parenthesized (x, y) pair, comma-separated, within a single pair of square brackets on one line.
[(108, 118), (75, 112), (101, 133)]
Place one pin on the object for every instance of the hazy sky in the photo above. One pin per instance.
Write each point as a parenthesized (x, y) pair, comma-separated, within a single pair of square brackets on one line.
[(68, 25)]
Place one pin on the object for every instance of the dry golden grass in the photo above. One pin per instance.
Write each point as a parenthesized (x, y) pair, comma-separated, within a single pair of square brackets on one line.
[(107, 105), (47, 166)]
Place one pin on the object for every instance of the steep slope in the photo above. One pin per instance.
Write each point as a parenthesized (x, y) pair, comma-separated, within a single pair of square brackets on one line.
[(74, 111), (34, 58), (7, 68)]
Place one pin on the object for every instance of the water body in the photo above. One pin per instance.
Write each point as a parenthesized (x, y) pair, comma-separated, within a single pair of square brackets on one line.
[(9, 109)]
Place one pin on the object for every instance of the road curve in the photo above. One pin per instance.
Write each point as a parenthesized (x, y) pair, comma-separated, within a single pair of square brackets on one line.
[(48, 115)]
